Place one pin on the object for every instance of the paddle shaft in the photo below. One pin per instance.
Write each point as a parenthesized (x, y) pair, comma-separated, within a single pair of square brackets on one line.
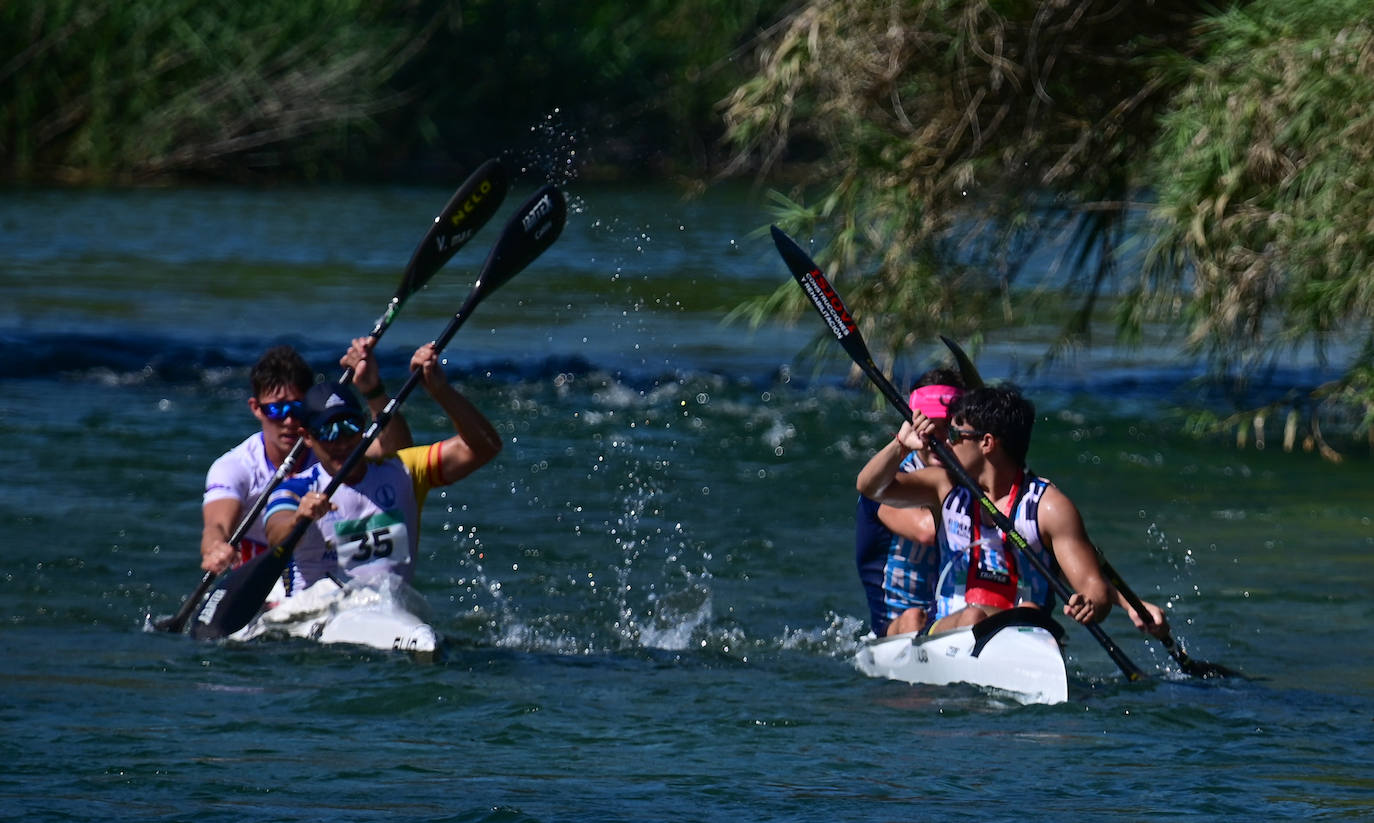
[(513, 252), (1194, 668), (832, 309), (526, 235), (470, 207), (287, 467), (288, 546)]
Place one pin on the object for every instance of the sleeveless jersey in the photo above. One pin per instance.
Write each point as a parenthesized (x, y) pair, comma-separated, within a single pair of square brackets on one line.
[(241, 474), (897, 574), (375, 526), (998, 561)]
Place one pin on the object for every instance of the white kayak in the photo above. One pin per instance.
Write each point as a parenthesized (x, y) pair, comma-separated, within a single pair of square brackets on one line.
[(1016, 652), (381, 614)]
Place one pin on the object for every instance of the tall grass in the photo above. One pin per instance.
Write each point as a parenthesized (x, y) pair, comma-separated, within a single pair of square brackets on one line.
[(959, 136), (111, 90)]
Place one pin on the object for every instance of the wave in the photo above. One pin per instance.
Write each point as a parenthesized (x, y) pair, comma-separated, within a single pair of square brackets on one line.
[(136, 359)]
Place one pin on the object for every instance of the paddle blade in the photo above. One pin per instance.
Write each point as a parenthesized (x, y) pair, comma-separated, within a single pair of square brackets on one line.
[(237, 601), (475, 202), (968, 371), (530, 231), (832, 310)]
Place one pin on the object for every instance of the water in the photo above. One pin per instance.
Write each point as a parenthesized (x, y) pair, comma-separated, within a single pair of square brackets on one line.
[(649, 599)]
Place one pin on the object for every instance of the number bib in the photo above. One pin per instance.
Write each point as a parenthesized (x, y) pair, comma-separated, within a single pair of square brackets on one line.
[(380, 537)]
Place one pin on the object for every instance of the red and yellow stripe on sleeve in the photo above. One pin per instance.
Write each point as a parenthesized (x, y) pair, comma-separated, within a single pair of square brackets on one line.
[(425, 466)]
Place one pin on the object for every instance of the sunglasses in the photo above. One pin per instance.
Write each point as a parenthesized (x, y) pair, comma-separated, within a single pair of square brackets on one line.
[(278, 412), (957, 436), (336, 429)]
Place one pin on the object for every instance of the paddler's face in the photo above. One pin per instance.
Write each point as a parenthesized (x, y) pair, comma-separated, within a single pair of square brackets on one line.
[(278, 409), (336, 442)]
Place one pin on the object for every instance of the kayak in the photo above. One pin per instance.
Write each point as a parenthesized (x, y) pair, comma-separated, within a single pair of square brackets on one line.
[(1015, 652), (379, 614)]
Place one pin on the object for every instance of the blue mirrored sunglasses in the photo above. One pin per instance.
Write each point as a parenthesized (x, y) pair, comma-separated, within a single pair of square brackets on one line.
[(336, 429), (280, 411)]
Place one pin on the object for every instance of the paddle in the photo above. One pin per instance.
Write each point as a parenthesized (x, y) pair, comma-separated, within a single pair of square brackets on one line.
[(837, 317), (1189, 666), (968, 371), (527, 235), (470, 207)]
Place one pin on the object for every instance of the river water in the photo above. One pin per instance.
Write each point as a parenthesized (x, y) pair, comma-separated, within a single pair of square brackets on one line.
[(649, 599)]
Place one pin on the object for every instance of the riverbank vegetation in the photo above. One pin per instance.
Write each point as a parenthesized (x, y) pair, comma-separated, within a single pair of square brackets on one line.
[(1196, 168), (155, 90), (958, 139)]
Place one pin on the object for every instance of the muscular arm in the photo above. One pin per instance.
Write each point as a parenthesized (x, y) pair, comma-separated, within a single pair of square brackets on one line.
[(915, 524), (880, 479), (219, 517), (1063, 532), (367, 380), (476, 441), (286, 511)]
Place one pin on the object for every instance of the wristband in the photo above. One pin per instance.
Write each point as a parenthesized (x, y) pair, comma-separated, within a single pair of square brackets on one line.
[(377, 391)]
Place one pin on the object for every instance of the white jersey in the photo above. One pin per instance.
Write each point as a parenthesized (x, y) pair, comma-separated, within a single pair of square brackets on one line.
[(374, 527), (956, 515), (242, 474)]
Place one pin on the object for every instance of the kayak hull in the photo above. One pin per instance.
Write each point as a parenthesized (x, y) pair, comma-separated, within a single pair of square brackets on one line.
[(1017, 655), (379, 616)]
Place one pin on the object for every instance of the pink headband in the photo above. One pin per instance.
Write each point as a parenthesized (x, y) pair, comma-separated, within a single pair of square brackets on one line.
[(934, 401)]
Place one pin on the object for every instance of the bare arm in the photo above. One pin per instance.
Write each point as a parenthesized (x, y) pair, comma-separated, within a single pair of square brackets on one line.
[(1158, 624), (312, 506), (880, 479), (915, 524), (476, 441), (368, 381), (1063, 532), (219, 517)]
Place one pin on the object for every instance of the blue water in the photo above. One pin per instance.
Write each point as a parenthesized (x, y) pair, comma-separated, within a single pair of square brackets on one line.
[(649, 599)]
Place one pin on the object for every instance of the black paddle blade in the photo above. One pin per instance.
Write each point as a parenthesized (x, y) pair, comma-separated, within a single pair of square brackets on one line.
[(832, 310), (475, 202), (530, 231), (240, 596), (177, 622), (1201, 668), (968, 371), (817, 288)]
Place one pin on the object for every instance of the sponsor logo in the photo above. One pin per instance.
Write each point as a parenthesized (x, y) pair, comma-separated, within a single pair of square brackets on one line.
[(208, 613), (469, 205), (542, 208), (832, 309), (444, 242)]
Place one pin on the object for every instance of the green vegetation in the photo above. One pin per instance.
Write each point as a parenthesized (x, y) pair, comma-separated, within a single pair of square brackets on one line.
[(955, 138), (113, 90), (944, 141), (362, 89)]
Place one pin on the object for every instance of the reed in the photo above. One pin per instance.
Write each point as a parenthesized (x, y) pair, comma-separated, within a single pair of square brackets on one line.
[(117, 91), (954, 141)]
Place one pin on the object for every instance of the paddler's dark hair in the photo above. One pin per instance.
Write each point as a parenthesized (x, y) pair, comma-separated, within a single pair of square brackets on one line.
[(280, 366), (1000, 410), (940, 376)]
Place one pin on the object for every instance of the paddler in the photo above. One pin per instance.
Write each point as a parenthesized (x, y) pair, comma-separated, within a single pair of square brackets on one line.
[(278, 383), (896, 549), (989, 430), (370, 527)]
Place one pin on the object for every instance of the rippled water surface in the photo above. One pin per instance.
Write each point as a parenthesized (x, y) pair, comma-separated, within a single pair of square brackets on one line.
[(649, 599)]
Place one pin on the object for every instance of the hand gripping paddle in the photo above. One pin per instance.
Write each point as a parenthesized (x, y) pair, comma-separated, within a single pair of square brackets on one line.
[(527, 235), (471, 206)]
